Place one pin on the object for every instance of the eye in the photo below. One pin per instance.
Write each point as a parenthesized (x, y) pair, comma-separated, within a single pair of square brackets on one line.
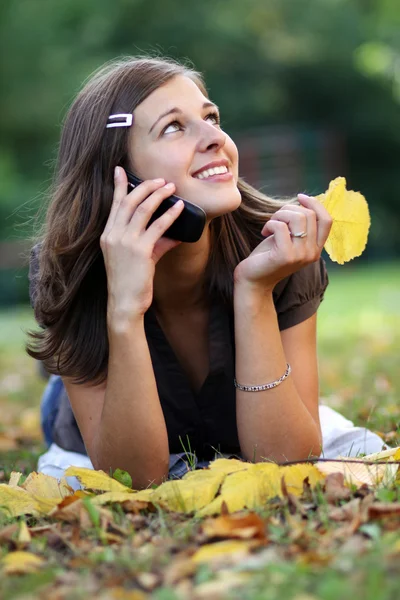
[(174, 124), (214, 116)]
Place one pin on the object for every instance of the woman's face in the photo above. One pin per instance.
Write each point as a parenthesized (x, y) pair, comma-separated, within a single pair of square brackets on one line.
[(176, 136)]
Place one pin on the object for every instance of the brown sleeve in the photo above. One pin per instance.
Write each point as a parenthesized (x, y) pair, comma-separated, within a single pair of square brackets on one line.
[(298, 296)]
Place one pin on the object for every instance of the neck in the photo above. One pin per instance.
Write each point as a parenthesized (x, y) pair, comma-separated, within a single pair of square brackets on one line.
[(180, 276)]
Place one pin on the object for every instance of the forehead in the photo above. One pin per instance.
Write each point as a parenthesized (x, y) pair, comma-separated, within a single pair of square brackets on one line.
[(179, 92)]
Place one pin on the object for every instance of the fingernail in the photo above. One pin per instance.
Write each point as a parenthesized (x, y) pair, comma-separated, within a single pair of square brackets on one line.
[(169, 186), (158, 180), (304, 197), (117, 172)]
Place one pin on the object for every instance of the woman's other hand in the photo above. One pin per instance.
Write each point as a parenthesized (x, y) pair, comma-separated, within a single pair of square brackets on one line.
[(131, 251), (281, 254)]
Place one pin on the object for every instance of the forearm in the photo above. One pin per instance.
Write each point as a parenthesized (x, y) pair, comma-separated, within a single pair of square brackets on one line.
[(132, 433), (272, 424)]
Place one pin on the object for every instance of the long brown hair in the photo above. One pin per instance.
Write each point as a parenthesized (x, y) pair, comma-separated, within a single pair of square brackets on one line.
[(71, 287)]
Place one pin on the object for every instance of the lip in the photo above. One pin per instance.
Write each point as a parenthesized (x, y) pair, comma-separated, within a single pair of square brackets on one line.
[(216, 163)]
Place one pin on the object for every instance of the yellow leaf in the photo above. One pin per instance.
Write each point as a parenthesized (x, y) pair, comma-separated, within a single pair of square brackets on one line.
[(120, 593), (195, 490), (246, 489), (16, 501), (228, 465), (143, 496), (21, 562), (24, 536), (210, 552), (351, 221), (14, 478), (295, 475), (96, 480), (45, 486)]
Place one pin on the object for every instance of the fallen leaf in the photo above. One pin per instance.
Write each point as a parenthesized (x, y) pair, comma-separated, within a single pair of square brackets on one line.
[(24, 537), (358, 473), (15, 501), (7, 443), (351, 221), (250, 489), (228, 548), (228, 465), (119, 593), (143, 497), (21, 562), (14, 478), (335, 489), (296, 474), (96, 480), (235, 526), (196, 490), (44, 486), (379, 510)]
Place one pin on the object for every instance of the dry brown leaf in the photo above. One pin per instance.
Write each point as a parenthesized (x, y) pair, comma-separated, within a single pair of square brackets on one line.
[(7, 443), (379, 510), (335, 489), (359, 473), (235, 526)]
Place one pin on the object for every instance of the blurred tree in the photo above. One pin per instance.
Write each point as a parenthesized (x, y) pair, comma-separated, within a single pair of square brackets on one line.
[(304, 63)]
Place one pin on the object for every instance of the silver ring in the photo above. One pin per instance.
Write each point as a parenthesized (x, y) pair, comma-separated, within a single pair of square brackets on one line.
[(302, 234)]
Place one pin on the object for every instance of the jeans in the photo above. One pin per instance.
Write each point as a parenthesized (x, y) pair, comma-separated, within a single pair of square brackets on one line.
[(49, 406)]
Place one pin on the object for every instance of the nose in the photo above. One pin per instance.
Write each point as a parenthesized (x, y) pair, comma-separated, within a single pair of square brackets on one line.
[(210, 137)]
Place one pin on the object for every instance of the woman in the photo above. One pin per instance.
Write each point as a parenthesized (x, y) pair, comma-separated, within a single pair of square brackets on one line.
[(160, 343)]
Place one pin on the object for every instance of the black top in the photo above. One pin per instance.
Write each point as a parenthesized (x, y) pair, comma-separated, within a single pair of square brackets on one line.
[(209, 417)]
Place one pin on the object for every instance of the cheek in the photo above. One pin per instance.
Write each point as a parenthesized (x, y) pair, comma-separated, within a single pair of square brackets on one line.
[(167, 164), (232, 152)]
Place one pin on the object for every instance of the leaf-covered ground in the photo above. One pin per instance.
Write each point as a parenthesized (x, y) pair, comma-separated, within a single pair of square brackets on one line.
[(333, 541)]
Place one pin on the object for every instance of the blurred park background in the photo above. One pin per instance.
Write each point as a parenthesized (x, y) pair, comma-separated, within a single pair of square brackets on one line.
[(308, 89)]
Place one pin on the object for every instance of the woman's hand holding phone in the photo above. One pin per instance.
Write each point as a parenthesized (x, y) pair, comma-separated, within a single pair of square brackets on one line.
[(131, 251)]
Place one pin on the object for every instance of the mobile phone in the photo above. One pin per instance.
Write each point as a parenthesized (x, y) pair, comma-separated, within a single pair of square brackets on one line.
[(188, 227)]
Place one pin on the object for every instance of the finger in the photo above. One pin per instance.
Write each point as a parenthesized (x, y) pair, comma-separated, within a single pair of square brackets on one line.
[(160, 225), (324, 219), (280, 231), (296, 221), (129, 203), (120, 186), (143, 213), (311, 225)]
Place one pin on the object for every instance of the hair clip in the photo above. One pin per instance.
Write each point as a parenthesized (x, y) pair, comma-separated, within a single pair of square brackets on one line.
[(127, 123)]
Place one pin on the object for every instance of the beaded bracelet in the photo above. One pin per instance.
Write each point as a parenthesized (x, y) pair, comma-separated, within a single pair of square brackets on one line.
[(266, 386)]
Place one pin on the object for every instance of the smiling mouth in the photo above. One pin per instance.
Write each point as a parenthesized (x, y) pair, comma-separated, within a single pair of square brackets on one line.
[(207, 173)]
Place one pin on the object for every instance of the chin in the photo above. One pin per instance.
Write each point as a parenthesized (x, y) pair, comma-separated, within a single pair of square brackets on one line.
[(223, 207)]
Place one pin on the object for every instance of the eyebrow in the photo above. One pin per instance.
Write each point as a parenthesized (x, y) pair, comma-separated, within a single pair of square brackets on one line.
[(178, 110)]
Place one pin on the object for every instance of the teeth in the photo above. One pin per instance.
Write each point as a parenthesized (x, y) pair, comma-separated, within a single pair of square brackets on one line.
[(209, 172)]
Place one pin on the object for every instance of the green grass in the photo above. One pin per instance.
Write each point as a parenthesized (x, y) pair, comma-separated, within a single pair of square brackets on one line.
[(359, 352)]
